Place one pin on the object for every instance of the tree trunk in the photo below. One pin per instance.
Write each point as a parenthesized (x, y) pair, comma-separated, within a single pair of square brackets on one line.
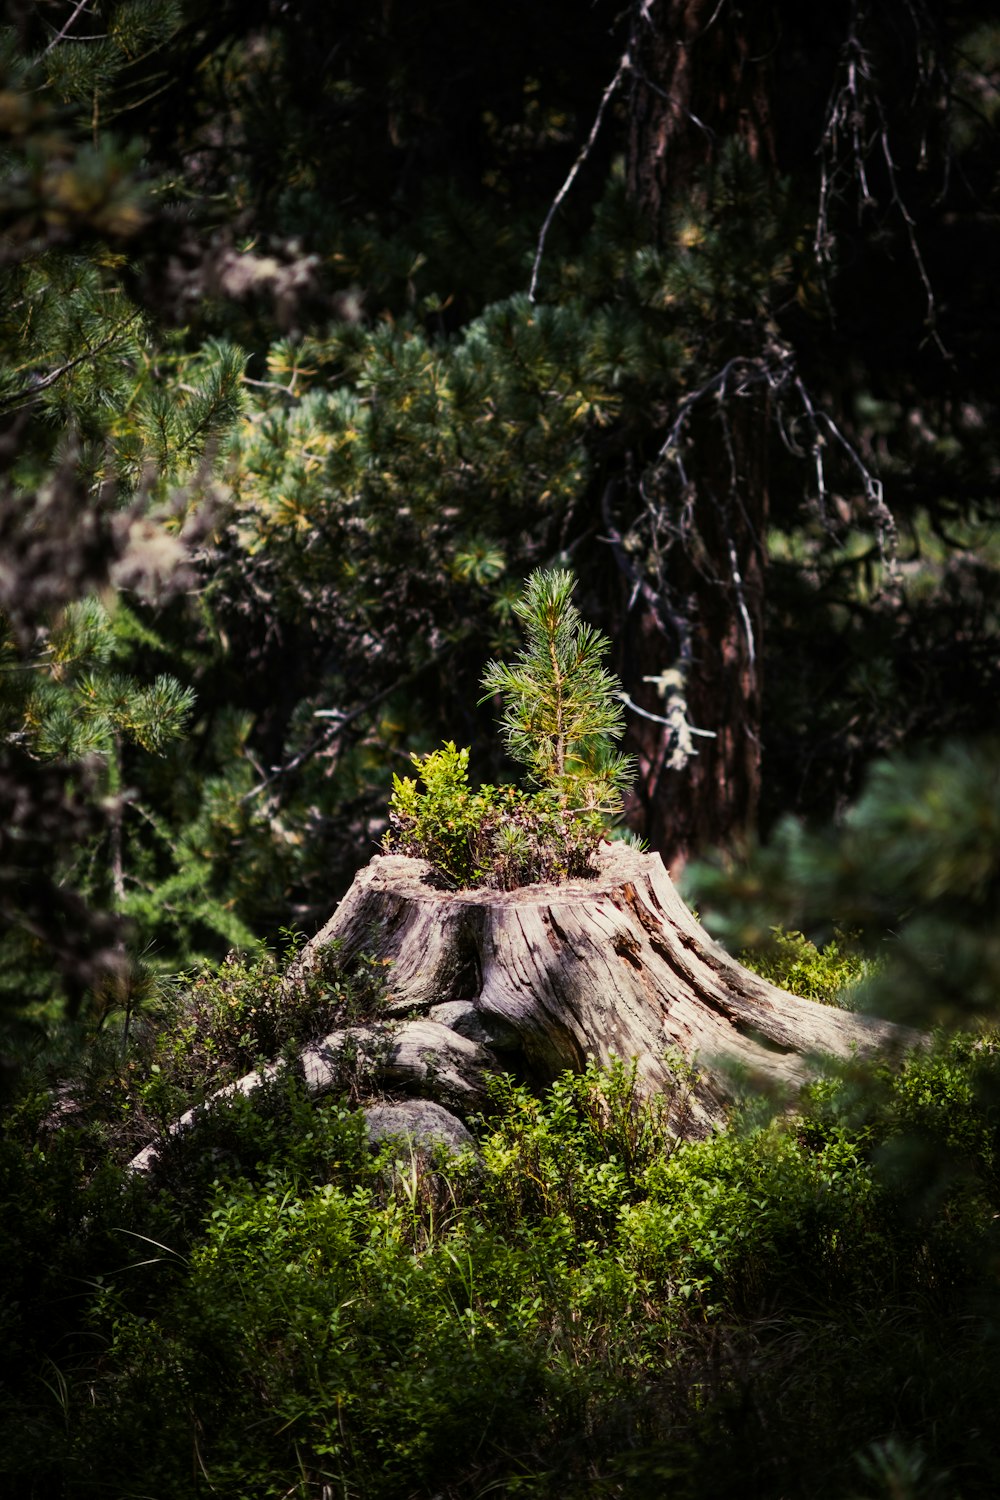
[(701, 72), (544, 977), (717, 575), (701, 76)]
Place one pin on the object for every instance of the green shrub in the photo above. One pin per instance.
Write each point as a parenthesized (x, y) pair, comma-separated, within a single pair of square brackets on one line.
[(129, 1078), (496, 835), (231, 1018), (828, 974), (592, 1308)]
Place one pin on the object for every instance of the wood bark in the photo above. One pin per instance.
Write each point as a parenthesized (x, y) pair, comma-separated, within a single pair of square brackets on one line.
[(701, 76), (717, 578), (541, 979), (701, 73), (545, 977)]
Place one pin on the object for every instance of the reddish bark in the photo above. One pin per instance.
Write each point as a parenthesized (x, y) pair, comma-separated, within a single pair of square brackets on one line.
[(701, 75), (718, 580)]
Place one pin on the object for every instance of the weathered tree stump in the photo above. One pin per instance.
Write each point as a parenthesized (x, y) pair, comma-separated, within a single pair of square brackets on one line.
[(542, 978), (545, 976)]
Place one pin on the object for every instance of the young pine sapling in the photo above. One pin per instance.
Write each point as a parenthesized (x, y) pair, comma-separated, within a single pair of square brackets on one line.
[(560, 719), (561, 708)]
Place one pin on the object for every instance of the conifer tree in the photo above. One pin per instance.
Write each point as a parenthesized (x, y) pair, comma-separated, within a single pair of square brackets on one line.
[(561, 713), (561, 720), (109, 435)]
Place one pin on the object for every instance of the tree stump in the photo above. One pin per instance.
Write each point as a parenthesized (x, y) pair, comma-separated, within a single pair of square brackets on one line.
[(544, 977)]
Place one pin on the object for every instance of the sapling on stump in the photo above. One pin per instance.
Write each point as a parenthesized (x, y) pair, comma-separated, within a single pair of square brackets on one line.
[(561, 708), (605, 960), (527, 941), (561, 716)]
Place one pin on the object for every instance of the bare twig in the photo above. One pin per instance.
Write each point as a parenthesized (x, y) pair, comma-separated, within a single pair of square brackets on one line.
[(820, 422), (272, 385), (671, 682), (336, 729), (708, 734), (677, 749), (623, 66), (911, 234), (752, 372), (742, 606), (638, 584), (61, 36), (777, 370), (853, 101)]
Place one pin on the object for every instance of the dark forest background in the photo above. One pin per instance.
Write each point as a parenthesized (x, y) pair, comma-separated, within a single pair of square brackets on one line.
[(322, 327)]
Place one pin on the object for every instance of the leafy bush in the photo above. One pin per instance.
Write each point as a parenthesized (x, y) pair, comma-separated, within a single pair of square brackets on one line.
[(231, 1018), (496, 835), (827, 974), (136, 1068), (592, 1308)]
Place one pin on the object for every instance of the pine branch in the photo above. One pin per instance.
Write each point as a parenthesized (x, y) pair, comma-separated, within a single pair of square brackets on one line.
[(45, 382)]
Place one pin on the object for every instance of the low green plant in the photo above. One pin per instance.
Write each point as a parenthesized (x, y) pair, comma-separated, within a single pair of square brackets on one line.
[(498, 836), (591, 1308), (828, 974), (560, 720), (130, 1073)]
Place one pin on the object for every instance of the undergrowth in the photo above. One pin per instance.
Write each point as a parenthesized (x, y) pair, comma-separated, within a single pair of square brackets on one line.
[(831, 974), (128, 1073), (587, 1307)]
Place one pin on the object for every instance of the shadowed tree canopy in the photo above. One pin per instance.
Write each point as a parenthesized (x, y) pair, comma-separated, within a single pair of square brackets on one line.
[(744, 341), (698, 302)]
